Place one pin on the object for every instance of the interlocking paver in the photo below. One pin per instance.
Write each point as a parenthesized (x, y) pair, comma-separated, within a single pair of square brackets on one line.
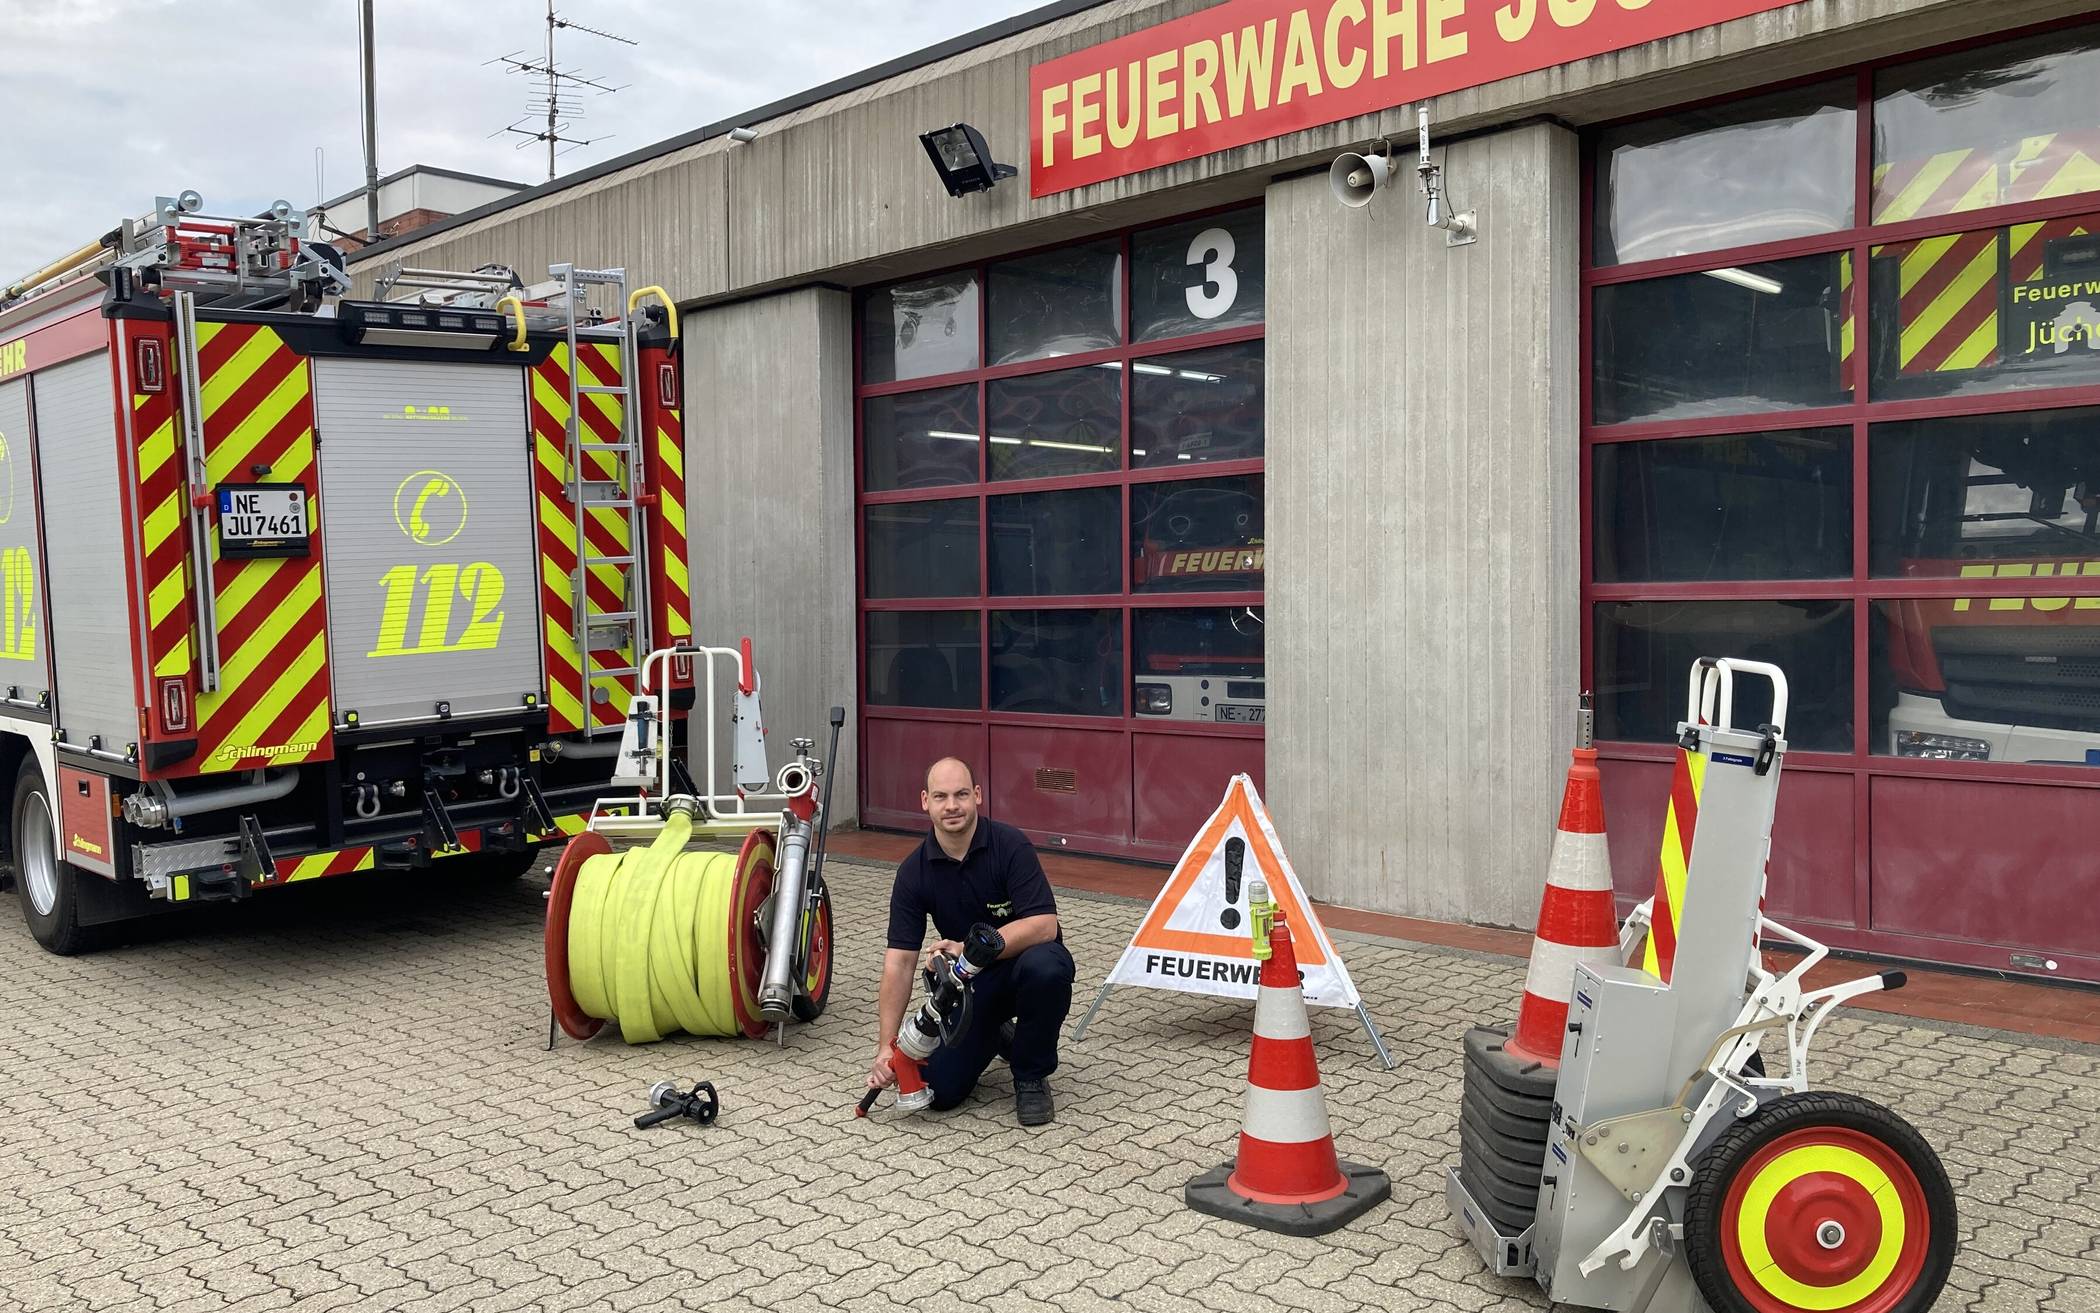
[(340, 1100)]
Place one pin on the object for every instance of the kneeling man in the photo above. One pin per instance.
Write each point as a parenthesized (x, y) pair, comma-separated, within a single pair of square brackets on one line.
[(972, 868)]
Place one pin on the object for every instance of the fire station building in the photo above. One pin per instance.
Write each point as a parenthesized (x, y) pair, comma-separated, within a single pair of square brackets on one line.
[(1749, 327)]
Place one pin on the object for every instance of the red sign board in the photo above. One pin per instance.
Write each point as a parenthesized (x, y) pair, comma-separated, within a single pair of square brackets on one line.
[(1249, 70)]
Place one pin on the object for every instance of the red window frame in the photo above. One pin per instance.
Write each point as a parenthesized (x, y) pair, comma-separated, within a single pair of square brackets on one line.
[(1857, 417), (1123, 478)]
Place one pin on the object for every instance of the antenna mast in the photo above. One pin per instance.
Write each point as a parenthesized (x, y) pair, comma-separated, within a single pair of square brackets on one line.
[(558, 100)]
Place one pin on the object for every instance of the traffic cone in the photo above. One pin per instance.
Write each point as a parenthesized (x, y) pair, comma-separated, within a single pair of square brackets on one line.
[(1578, 921), (1286, 1177)]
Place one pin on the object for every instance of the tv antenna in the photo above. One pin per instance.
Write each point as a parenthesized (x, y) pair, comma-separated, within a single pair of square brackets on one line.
[(557, 100)]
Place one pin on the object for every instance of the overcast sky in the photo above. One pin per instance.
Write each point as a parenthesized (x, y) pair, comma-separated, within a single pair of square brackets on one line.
[(109, 103)]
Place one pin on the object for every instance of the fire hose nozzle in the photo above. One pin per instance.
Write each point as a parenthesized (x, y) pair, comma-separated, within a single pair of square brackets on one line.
[(700, 1103)]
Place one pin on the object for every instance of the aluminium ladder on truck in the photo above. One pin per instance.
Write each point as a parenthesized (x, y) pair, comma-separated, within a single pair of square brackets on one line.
[(277, 563)]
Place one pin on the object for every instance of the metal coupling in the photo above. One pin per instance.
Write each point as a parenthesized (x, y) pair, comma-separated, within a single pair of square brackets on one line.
[(682, 804), (148, 811)]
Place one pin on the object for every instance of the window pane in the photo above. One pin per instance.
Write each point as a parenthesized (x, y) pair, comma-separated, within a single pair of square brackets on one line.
[(919, 439), (1058, 303), (1048, 543), (1989, 127), (918, 329), (1201, 535), (922, 549), (1998, 679), (1067, 663), (1989, 311), (1727, 341), (1044, 425), (923, 659), (1197, 406), (1198, 663), (1644, 652), (1768, 169), (1752, 506), (1198, 277), (2005, 496)]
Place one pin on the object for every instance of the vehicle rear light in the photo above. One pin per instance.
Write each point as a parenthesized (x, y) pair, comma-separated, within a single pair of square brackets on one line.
[(1941, 747), (681, 670), (174, 705), (1155, 700), (667, 384), (149, 365)]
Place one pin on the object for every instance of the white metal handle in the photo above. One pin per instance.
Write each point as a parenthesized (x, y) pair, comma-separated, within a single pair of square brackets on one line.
[(1710, 694)]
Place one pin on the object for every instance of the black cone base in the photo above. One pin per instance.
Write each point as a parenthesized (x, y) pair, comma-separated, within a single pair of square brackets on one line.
[(1368, 1186)]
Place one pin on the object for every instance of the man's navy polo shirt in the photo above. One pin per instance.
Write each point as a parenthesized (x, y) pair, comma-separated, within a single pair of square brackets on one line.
[(1000, 879)]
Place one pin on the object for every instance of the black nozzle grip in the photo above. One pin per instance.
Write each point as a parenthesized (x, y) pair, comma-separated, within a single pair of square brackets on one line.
[(1894, 980), (838, 717), (867, 1101), (658, 1115)]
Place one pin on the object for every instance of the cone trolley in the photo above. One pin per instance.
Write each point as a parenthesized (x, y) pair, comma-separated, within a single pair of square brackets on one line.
[(1647, 1159), (653, 924)]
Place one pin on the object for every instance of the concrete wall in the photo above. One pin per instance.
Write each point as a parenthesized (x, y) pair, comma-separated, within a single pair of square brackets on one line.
[(769, 507), (1422, 519)]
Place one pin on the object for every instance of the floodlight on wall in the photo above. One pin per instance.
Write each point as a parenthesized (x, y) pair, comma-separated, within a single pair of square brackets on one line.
[(743, 136), (962, 159)]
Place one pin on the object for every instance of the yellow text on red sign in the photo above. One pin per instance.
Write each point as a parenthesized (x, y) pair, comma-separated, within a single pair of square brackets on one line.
[(1249, 70)]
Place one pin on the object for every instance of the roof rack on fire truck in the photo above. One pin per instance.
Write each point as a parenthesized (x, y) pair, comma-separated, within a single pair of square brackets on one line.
[(231, 261)]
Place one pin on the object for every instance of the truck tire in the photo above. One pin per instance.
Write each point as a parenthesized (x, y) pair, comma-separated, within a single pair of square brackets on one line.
[(48, 885)]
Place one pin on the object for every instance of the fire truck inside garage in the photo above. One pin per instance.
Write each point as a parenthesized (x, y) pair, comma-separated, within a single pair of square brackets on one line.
[(299, 586)]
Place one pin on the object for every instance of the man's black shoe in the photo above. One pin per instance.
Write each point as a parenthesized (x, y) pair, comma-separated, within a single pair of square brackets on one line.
[(1005, 1045), (1032, 1102)]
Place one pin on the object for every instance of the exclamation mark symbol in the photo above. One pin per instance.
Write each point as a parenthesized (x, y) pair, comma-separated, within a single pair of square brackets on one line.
[(1235, 863)]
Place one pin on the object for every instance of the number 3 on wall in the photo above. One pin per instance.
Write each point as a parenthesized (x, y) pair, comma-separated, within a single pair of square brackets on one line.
[(1213, 249)]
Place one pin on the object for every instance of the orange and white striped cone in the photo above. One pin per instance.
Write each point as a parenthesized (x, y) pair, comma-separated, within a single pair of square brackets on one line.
[(1286, 1177), (1578, 920)]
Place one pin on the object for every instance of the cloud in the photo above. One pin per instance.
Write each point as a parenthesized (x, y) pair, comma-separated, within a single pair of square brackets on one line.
[(112, 102)]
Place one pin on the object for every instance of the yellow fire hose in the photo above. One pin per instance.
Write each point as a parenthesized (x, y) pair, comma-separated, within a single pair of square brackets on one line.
[(657, 939)]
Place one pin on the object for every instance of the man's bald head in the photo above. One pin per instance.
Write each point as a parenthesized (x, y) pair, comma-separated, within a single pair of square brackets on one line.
[(969, 776)]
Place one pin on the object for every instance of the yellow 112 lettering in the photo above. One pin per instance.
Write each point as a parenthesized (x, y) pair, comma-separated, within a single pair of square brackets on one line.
[(479, 584), (17, 605)]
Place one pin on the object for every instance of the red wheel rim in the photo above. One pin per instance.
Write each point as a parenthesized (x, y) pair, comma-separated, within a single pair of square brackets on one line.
[(572, 1019), (754, 880), (817, 978), (1825, 1218)]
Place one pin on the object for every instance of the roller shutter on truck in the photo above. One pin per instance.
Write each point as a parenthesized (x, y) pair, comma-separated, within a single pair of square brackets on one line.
[(427, 521), (25, 649), (91, 610)]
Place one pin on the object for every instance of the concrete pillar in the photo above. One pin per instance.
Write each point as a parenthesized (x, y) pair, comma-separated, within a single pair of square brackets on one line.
[(769, 476), (1423, 531)]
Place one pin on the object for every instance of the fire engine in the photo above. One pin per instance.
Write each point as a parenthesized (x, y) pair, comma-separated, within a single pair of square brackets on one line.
[(299, 585)]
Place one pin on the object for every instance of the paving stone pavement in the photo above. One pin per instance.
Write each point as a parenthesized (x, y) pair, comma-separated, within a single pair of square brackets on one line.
[(324, 1101)]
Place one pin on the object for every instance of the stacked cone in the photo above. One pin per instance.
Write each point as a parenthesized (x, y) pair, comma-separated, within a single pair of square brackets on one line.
[(1287, 1177), (1578, 921)]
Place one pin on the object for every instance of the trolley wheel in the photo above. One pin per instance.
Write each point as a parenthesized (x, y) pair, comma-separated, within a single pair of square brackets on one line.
[(1821, 1201), (560, 895), (815, 983)]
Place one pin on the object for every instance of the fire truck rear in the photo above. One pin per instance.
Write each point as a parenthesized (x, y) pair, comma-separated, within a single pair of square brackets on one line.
[(297, 585)]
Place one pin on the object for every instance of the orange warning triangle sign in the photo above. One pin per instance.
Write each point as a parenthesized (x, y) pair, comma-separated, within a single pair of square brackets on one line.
[(1163, 929)]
